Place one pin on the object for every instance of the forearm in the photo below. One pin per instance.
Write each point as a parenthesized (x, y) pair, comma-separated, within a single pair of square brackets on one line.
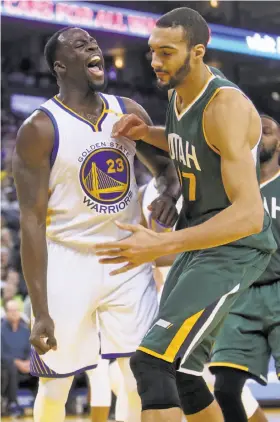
[(228, 226), (167, 181), (156, 137), (34, 263), (162, 168)]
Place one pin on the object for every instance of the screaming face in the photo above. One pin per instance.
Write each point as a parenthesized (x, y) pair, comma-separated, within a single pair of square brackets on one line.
[(79, 60)]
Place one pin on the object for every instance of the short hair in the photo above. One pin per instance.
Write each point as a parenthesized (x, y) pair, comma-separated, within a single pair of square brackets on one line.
[(51, 48), (266, 116), (195, 26)]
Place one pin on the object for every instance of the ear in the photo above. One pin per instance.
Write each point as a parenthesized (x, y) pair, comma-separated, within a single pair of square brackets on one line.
[(59, 67), (199, 51)]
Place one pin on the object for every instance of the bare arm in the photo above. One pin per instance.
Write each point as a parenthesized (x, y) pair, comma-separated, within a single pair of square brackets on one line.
[(31, 168), (232, 126), (152, 157), (155, 135), (161, 167), (135, 126)]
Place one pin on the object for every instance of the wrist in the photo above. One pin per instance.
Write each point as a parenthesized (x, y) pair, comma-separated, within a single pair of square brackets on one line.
[(147, 135), (168, 243), (41, 313)]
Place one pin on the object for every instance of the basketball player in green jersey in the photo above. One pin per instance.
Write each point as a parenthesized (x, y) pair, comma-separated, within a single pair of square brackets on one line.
[(212, 133), (251, 332)]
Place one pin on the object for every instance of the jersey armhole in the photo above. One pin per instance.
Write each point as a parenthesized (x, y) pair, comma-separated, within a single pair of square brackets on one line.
[(121, 104), (56, 134)]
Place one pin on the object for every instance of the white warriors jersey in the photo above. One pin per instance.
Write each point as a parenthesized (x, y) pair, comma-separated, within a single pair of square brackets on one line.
[(92, 182), (149, 195)]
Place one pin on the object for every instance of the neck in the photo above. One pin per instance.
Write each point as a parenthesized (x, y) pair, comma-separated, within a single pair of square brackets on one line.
[(14, 325), (192, 86), (269, 168), (76, 98)]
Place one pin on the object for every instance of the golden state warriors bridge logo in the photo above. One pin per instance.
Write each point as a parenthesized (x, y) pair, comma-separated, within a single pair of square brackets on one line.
[(105, 176)]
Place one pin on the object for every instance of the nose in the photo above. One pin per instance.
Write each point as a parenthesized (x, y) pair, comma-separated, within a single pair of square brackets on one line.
[(92, 47), (156, 62)]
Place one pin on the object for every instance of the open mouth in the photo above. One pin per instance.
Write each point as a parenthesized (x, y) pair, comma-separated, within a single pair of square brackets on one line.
[(95, 65)]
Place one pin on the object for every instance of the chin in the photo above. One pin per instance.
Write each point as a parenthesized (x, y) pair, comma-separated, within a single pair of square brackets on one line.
[(98, 85), (163, 86)]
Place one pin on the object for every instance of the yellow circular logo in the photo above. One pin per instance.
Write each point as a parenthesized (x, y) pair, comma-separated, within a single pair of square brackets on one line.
[(105, 175)]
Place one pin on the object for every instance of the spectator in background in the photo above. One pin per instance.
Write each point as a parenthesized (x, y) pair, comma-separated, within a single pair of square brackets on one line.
[(10, 292), (13, 277), (6, 238), (15, 356), (5, 259)]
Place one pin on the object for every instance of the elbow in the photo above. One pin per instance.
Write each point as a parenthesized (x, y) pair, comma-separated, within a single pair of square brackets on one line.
[(255, 219)]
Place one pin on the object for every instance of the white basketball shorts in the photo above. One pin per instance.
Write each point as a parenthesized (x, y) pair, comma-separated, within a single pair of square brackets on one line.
[(80, 291)]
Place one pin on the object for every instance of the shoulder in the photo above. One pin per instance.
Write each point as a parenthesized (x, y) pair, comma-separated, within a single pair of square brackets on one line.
[(132, 107), (229, 116), (230, 105), (4, 324), (227, 99), (37, 124), (35, 134)]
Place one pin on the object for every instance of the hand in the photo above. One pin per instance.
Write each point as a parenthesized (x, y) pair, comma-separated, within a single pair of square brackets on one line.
[(142, 246), (164, 210), (130, 126), (22, 365), (26, 367), (43, 328)]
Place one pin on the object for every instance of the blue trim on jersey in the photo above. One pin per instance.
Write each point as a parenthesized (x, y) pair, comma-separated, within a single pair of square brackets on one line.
[(122, 104), (105, 100), (56, 375), (56, 134), (99, 125), (116, 355)]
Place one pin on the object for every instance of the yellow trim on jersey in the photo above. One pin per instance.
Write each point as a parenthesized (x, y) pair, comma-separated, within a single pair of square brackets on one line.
[(212, 98), (181, 335), (156, 227), (271, 178), (155, 354), (203, 126), (114, 112), (177, 341), (182, 112), (95, 126), (230, 365), (50, 212)]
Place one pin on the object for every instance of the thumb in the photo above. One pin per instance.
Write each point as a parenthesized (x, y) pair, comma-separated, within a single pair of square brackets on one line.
[(128, 227), (51, 342)]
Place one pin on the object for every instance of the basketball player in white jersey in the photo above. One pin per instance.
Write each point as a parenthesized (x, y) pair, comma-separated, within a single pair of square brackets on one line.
[(73, 183)]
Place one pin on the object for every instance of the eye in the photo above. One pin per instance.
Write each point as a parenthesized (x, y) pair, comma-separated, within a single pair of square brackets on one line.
[(79, 45), (267, 131), (166, 54)]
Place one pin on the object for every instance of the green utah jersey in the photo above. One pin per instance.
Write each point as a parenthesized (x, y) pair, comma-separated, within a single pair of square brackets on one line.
[(271, 198), (199, 164)]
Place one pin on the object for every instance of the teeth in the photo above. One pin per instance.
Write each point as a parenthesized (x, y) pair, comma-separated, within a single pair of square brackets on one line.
[(94, 60)]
